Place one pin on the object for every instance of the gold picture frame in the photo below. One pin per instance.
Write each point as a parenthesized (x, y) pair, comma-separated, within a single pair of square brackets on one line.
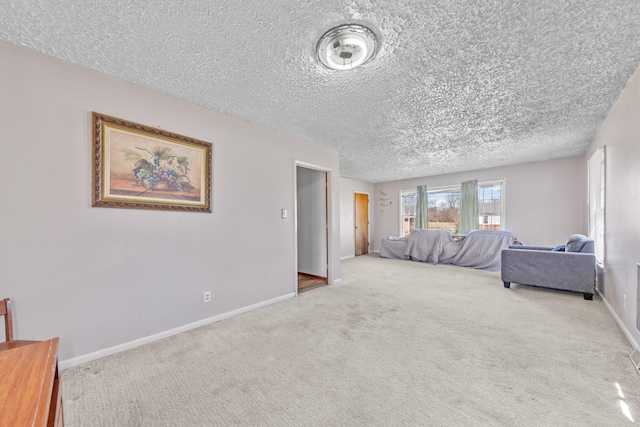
[(141, 167)]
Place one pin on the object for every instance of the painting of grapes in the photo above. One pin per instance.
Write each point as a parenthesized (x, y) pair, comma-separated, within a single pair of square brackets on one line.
[(164, 172), (143, 167)]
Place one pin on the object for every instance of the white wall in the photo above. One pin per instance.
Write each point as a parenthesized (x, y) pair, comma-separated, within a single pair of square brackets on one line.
[(620, 133), (545, 201), (99, 277), (348, 188)]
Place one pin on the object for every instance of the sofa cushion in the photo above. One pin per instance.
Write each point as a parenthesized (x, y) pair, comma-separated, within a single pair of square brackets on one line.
[(575, 243)]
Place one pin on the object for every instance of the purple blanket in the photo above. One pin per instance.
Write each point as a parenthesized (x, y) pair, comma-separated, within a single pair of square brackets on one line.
[(479, 249), (482, 249)]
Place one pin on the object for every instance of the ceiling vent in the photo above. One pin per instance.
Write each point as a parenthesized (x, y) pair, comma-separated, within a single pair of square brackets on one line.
[(346, 47)]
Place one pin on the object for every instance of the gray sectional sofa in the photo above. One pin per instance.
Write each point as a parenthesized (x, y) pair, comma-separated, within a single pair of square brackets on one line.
[(571, 267)]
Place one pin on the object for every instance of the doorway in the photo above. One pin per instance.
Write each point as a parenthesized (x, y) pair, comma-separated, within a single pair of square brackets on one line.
[(361, 214), (312, 228)]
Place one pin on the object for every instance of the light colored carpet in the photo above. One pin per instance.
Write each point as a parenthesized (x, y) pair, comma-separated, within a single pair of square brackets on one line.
[(397, 343)]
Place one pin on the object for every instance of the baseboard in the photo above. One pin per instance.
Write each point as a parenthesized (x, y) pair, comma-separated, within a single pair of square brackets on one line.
[(70, 363), (337, 281), (621, 325), (353, 256)]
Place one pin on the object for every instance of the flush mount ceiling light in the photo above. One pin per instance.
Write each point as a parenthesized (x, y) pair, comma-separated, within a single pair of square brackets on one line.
[(347, 46)]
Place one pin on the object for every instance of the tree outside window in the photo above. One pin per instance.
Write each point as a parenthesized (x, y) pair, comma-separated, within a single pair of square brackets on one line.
[(444, 210)]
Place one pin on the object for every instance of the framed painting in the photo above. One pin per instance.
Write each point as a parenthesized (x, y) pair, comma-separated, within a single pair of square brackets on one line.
[(141, 167)]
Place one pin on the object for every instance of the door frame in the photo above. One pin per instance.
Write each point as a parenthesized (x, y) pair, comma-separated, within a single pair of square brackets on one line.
[(368, 221), (330, 220)]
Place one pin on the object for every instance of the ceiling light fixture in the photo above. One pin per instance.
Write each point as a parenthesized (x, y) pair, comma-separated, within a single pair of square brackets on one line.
[(346, 46)]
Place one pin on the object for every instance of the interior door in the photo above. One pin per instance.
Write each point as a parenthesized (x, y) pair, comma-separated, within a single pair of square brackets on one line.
[(362, 223), (312, 222)]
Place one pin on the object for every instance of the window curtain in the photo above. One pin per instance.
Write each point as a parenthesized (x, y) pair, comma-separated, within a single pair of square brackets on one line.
[(421, 207), (468, 207)]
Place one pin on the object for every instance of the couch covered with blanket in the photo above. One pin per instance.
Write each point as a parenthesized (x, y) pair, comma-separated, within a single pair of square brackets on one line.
[(478, 249)]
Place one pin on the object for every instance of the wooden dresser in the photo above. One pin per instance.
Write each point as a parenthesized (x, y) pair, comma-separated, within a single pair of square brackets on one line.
[(30, 388)]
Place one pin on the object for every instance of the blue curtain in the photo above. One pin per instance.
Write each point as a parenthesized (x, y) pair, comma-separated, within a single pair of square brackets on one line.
[(421, 208), (468, 207)]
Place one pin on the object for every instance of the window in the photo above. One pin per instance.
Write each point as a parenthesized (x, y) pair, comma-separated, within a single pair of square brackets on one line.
[(444, 208), (408, 201), (596, 200), (490, 206)]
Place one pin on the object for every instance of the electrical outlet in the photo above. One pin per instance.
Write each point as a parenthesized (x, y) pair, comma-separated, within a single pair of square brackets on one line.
[(207, 296)]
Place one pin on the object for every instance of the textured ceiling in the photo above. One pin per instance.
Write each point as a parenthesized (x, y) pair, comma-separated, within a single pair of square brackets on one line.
[(456, 85)]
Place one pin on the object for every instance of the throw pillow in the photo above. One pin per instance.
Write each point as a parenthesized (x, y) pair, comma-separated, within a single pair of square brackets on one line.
[(575, 243), (558, 249)]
